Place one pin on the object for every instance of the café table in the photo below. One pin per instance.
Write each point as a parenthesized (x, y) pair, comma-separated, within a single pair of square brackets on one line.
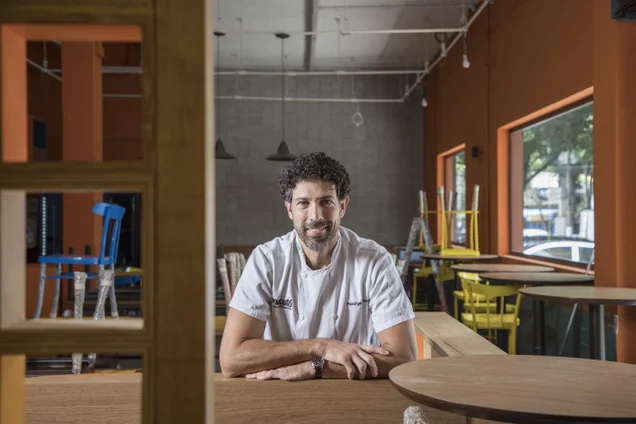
[(522, 389), (481, 267), (537, 279), (595, 298)]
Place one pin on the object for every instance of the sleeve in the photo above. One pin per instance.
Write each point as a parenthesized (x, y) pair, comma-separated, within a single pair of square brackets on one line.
[(388, 301), (253, 291)]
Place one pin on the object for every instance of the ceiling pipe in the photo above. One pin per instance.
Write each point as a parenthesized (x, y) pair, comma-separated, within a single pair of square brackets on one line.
[(358, 32), (312, 99), (439, 58)]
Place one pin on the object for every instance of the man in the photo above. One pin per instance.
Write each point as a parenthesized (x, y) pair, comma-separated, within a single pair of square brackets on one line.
[(309, 303)]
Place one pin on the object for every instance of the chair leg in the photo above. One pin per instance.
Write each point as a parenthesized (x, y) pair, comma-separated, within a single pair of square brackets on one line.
[(456, 304), (56, 296), (38, 306), (106, 277), (114, 312), (79, 280)]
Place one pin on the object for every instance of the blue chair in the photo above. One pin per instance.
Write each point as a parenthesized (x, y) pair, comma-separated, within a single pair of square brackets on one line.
[(113, 215)]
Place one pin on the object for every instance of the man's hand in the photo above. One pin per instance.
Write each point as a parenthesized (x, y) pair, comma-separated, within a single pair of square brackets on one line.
[(355, 358), (297, 372)]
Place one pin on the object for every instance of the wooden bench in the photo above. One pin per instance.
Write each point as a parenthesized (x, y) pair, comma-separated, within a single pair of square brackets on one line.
[(439, 334), (116, 397)]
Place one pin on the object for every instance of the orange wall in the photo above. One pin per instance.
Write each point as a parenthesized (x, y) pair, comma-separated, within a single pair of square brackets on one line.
[(523, 58), (528, 55)]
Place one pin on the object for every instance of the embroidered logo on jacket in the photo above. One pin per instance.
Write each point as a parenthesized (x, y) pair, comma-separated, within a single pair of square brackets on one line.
[(358, 303), (282, 303)]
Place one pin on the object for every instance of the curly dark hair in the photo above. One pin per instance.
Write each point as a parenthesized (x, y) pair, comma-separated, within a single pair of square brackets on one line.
[(314, 167)]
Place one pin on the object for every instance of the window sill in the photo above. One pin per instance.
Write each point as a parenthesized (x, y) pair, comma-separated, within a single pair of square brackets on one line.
[(556, 266)]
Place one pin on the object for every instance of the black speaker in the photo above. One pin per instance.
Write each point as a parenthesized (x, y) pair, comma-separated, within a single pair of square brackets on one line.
[(624, 10)]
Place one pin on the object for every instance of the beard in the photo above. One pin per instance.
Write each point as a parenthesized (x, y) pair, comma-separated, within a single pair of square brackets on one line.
[(317, 234)]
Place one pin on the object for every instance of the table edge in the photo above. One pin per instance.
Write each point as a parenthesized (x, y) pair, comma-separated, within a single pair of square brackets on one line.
[(558, 299)]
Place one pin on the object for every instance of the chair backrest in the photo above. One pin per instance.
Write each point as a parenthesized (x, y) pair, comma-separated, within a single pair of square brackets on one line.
[(113, 214)]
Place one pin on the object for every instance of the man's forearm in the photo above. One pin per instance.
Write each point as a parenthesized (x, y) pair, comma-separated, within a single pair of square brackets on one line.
[(257, 355), (384, 364)]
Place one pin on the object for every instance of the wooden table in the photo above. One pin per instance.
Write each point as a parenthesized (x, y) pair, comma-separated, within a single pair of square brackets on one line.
[(522, 389), (595, 298), (537, 279), (435, 256), (500, 268), (116, 398)]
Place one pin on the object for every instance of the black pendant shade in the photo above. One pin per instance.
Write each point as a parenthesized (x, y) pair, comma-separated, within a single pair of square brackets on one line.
[(219, 148), (220, 152), (282, 154)]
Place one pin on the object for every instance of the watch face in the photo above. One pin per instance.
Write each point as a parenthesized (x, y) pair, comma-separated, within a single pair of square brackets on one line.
[(317, 361)]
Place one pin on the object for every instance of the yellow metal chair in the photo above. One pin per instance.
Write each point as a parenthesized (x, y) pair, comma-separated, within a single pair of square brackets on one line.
[(492, 320), (481, 305)]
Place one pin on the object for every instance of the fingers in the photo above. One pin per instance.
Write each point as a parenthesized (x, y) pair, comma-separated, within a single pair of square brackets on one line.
[(360, 365), (262, 375), (351, 369), (373, 367), (379, 350)]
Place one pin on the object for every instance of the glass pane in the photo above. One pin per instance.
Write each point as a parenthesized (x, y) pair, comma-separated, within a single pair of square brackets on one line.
[(552, 176), (61, 242), (80, 91)]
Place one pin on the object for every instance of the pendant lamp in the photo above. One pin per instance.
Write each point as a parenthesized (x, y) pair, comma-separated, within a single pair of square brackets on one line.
[(219, 148), (283, 153)]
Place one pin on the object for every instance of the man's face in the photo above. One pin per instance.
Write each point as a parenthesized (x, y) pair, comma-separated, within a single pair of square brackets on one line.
[(316, 212)]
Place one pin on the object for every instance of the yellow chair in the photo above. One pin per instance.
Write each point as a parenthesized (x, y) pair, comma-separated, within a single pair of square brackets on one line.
[(446, 216), (492, 320), (481, 305)]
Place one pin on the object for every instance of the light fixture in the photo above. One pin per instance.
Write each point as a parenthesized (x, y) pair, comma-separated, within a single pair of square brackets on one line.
[(219, 148), (441, 38), (465, 62), (283, 153)]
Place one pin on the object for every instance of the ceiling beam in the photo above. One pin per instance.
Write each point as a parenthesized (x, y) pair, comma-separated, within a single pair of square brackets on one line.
[(311, 25)]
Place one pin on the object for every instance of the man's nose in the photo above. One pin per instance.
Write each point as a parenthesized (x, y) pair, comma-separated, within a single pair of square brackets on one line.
[(315, 212)]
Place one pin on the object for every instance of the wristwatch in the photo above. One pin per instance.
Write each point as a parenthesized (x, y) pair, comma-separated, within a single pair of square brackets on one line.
[(318, 362)]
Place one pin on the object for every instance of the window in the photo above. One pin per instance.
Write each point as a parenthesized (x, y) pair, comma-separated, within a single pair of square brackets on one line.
[(551, 186), (455, 181)]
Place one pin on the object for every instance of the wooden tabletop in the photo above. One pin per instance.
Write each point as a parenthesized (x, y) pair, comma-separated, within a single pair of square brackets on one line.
[(116, 398), (584, 294), (537, 278), (482, 257), (522, 389), (500, 268)]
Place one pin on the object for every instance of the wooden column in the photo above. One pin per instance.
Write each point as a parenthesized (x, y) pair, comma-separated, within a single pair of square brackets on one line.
[(625, 182), (82, 137), (14, 96)]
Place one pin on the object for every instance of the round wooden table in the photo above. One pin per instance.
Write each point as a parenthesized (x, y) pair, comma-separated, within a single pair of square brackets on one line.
[(436, 256), (500, 268), (595, 298), (537, 279), (522, 389)]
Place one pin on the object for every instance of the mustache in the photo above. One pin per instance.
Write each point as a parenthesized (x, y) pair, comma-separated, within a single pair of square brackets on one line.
[(317, 224)]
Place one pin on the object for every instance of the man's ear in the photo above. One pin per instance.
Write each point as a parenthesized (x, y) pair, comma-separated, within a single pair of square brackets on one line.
[(343, 206), (289, 212)]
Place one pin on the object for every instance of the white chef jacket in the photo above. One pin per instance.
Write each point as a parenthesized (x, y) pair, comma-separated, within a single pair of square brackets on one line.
[(357, 294)]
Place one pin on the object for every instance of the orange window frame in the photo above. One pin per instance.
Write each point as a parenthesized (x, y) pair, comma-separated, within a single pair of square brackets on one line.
[(505, 178)]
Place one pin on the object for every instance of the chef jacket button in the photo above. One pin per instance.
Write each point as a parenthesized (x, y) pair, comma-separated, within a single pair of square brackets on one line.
[(302, 317), (334, 316)]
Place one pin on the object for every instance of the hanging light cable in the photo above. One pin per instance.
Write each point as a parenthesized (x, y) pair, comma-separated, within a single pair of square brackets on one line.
[(219, 148), (283, 153)]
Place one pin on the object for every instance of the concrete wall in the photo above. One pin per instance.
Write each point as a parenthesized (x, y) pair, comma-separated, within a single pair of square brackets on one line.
[(383, 156)]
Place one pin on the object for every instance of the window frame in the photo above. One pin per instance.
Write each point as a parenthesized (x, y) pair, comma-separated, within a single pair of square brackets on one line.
[(504, 163)]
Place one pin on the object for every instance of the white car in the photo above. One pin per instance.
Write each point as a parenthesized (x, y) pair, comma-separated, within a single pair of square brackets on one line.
[(569, 250)]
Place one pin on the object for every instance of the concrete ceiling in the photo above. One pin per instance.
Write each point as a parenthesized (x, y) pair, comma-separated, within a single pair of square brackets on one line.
[(256, 47)]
